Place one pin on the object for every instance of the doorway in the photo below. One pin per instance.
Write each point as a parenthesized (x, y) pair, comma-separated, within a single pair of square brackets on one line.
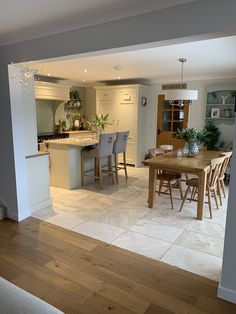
[(170, 119)]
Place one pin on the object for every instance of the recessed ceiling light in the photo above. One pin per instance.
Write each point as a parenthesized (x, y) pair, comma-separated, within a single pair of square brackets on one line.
[(118, 77), (49, 74), (84, 81), (85, 70)]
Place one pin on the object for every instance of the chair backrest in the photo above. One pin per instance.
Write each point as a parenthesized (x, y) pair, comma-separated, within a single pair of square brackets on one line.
[(155, 151), (167, 148), (214, 172), (105, 145), (227, 156), (120, 142)]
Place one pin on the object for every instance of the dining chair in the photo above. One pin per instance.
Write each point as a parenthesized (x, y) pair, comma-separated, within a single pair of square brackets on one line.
[(104, 149), (169, 180), (120, 146), (211, 184), (220, 182)]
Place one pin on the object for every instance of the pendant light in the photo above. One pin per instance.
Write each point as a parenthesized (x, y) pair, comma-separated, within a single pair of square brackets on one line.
[(181, 94)]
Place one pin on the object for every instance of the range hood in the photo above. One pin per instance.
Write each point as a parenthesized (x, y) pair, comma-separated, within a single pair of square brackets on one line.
[(51, 91)]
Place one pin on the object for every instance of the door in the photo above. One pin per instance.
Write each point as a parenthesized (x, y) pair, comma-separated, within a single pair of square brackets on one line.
[(170, 119)]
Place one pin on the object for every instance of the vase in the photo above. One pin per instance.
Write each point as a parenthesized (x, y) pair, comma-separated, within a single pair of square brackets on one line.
[(190, 149)]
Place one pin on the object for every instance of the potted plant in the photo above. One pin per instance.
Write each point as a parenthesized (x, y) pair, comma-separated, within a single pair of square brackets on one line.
[(212, 136), (100, 122), (192, 137)]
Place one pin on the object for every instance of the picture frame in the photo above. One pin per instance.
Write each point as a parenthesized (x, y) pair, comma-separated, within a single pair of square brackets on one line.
[(143, 101), (215, 113)]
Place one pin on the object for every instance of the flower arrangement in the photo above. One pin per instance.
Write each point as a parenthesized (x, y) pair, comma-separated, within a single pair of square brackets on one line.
[(191, 135)]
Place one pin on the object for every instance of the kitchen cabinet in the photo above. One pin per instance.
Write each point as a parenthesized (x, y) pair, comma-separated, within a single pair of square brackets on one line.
[(127, 111)]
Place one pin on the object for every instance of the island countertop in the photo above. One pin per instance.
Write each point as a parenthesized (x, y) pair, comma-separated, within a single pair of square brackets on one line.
[(80, 142)]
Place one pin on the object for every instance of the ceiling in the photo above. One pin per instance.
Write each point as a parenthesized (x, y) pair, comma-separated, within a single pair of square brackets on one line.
[(27, 19), (208, 59)]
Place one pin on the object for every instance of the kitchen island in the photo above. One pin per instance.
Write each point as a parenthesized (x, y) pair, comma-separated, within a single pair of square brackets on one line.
[(65, 161)]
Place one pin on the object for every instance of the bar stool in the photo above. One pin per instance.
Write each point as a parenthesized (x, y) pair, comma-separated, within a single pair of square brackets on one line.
[(103, 150), (120, 147)]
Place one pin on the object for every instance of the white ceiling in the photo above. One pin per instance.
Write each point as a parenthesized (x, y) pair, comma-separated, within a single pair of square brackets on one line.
[(26, 19), (214, 58)]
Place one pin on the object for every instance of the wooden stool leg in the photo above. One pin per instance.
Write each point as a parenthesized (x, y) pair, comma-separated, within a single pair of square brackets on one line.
[(171, 197), (116, 166), (180, 189), (223, 187), (110, 170), (209, 202), (124, 157), (219, 192), (184, 199), (215, 197), (100, 172), (160, 186)]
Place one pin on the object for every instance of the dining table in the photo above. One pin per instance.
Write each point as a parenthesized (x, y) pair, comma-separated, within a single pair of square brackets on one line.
[(174, 162)]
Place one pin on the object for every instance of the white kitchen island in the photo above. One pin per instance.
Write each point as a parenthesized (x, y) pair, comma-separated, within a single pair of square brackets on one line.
[(65, 161)]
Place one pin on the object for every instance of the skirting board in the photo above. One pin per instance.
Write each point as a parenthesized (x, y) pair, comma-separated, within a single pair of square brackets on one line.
[(3, 213), (41, 205), (226, 294)]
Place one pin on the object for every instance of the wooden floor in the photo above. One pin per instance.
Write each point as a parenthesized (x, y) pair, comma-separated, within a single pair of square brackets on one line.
[(78, 274)]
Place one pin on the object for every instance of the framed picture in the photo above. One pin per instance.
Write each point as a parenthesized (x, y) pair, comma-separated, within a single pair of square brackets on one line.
[(215, 113), (144, 101)]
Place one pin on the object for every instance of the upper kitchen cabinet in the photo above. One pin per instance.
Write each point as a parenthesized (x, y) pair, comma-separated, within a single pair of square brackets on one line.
[(126, 106), (51, 91)]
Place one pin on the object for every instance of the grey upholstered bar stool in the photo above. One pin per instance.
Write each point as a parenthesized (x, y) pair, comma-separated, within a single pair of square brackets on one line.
[(103, 150), (120, 147)]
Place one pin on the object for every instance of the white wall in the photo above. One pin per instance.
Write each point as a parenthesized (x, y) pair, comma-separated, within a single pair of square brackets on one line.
[(196, 20)]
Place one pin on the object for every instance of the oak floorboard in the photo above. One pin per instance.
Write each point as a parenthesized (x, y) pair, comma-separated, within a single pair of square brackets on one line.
[(81, 275)]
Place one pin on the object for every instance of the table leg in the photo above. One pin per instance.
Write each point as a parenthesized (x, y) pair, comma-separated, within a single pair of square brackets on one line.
[(152, 186), (202, 177)]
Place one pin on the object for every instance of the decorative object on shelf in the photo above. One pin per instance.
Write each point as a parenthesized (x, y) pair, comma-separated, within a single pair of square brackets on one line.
[(75, 121), (224, 98), (75, 101), (192, 137), (227, 113), (61, 126), (100, 122), (211, 137), (181, 94), (215, 113)]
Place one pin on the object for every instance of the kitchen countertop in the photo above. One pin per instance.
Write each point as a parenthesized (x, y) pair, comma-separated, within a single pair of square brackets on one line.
[(78, 132), (80, 142)]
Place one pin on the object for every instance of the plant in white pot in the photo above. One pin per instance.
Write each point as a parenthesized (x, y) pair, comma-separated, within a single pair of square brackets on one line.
[(100, 122)]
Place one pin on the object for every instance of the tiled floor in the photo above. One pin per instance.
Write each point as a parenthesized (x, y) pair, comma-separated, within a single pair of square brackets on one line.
[(119, 215)]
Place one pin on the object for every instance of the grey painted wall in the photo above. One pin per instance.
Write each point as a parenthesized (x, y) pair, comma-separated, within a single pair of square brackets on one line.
[(196, 20)]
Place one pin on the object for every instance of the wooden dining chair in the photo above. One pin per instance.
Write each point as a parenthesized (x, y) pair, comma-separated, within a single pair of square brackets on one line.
[(211, 185), (169, 180), (220, 182)]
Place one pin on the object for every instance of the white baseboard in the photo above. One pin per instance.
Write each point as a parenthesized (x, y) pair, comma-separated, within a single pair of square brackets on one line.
[(41, 205), (3, 213), (226, 294)]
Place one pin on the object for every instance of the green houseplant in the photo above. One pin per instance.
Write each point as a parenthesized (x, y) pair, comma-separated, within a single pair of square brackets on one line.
[(192, 137), (212, 136), (100, 122)]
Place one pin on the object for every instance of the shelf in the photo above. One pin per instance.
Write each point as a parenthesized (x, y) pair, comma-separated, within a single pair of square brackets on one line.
[(220, 105), (209, 118)]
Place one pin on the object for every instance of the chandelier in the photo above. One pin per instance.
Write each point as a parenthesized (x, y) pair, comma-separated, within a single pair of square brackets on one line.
[(181, 95)]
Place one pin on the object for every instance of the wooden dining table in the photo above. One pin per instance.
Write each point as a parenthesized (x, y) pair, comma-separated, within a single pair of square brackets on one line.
[(198, 165)]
